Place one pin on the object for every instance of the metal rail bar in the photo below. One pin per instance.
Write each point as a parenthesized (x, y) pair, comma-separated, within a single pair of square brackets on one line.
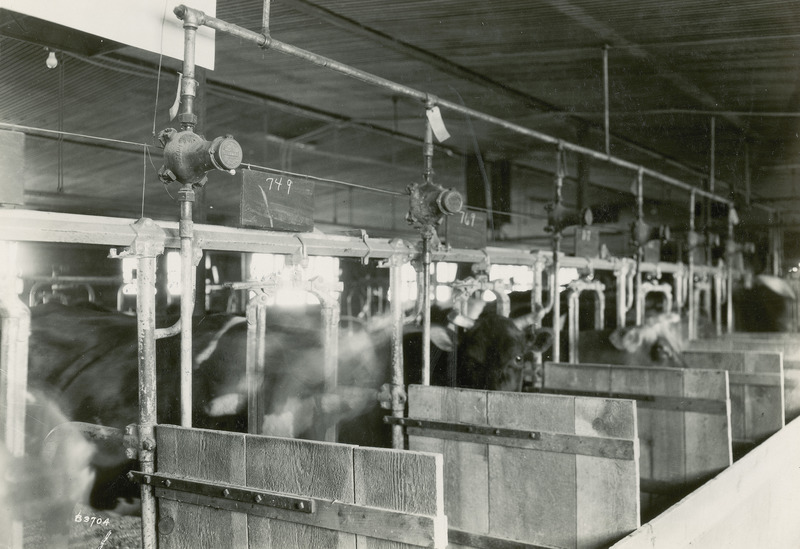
[(264, 41), (36, 226)]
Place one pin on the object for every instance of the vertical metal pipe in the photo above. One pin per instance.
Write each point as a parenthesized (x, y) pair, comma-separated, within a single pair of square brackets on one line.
[(712, 155), (15, 320), (427, 150), (265, 18), (556, 296), (426, 305), (711, 184), (427, 236), (639, 248), (606, 118), (717, 280), (146, 317), (330, 326), (397, 390), (256, 344), (746, 173), (573, 311), (186, 115), (621, 275), (186, 233), (692, 307), (599, 308), (556, 289), (730, 251)]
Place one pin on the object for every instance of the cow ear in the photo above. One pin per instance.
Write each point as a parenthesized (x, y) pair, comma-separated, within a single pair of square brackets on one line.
[(542, 340), (441, 338)]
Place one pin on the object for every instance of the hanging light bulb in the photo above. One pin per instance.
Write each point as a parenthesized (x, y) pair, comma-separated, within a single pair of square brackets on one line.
[(52, 61)]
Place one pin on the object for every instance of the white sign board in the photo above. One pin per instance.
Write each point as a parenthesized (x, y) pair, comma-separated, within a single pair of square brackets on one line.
[(146, 24)]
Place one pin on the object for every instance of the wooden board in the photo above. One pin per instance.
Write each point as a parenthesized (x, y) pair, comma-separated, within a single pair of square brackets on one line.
[(786, 344), (529, 495), (353, 497), (186, 452), (791, 389), (757, 390), (390, 479), (751, 504), (466, 464), (789, 344), (683, 420)]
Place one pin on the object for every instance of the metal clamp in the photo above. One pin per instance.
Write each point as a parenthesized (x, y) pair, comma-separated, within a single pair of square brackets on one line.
[(365, 239), (303, 255)]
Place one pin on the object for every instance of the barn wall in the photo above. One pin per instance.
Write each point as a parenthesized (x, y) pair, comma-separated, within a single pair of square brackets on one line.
[(751, 504)]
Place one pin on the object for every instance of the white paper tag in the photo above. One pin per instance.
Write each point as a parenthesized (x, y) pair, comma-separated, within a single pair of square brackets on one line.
[(437, 124), (173, 110)]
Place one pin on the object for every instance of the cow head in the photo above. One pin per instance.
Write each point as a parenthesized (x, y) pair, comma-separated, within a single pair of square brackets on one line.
[(496, 353), (657, 342)]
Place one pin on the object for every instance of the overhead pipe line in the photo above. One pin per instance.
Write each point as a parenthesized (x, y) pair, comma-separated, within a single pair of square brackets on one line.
[(449, 67), (267, 42)]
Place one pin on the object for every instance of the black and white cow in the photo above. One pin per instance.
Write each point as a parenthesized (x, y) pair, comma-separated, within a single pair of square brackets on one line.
[(84, 361)]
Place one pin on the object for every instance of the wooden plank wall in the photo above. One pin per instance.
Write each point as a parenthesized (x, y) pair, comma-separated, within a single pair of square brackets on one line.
[(786, 344), (754, 503), (530, 493), (334, 474), (679, 447), (756, 384)]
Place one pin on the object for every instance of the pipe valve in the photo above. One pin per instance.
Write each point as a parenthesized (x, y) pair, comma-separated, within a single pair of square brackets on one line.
[(641, 233), (188, 157), (559, 217), (429, 204)]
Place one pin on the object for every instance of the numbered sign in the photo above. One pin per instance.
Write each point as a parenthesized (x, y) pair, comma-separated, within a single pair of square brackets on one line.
[(587, 242), (276, 202), (465, 229)]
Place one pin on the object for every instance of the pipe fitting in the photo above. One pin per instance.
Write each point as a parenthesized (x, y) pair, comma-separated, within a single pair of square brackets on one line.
[(188, 157), (559, 217), (429, 203)]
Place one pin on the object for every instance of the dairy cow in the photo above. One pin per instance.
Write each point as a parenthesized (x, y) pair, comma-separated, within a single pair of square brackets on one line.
[(657, 342), (85, 360), (766, 305)]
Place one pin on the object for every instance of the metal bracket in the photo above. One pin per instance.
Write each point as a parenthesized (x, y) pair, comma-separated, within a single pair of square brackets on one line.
[(607, 447), (131, 441), (365, 239), (226, 492), (463, 428)]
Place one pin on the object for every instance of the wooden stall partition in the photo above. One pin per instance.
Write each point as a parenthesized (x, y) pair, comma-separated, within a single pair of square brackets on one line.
[(754, 503), (219, 489), (757, 391), (530, 470), (683, 419), (789, 347), (788, 344)]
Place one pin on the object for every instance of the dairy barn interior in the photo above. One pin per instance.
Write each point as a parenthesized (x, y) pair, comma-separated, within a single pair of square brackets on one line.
[(361, 274)]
